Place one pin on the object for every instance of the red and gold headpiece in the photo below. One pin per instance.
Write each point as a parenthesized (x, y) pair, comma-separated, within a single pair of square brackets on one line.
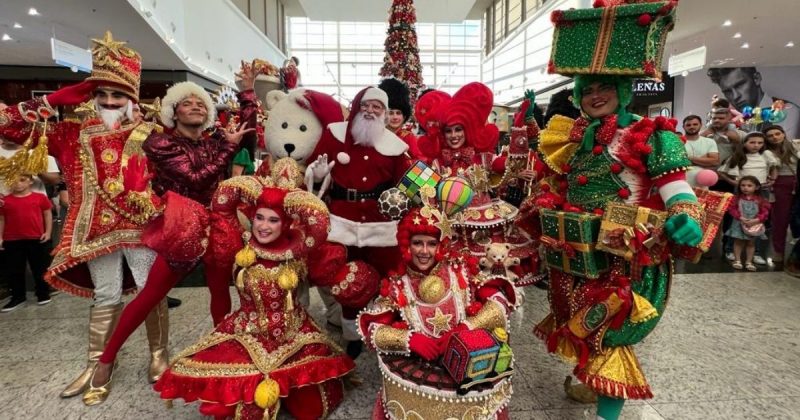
[(116, 65)]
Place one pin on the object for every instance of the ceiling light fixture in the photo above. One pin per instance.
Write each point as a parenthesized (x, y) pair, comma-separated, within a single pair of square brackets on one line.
[(33, 12), (727, 23), (737, 35), (17, 25), (789, 44), (745, 45), (6, 37)]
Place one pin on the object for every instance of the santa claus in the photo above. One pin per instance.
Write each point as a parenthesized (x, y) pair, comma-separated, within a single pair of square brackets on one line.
[(356, 160)]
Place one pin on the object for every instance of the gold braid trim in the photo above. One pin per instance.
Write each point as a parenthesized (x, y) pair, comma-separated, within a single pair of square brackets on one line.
[(390, 340), (692, 208), (491, 316), (142, 200)]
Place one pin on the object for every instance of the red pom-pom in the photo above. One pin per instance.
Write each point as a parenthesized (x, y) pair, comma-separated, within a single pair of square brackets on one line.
[(598, 4), (583, 179), (386, 288), (597, 150), (598, 211), (551, 67), (474, 308), (649, 68), (624, 193), (644, 19), (556, 17), (616, 168), (639, 137), (566, 168), (643, 148)]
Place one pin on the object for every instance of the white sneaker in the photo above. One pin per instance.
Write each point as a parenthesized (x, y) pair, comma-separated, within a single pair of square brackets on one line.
[(770, 263), (758, 259), (729, 256)]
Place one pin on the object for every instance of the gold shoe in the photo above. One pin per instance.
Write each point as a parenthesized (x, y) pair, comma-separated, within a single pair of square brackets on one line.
[(157, 326), (97, 395), (102, 321), (579, 392)]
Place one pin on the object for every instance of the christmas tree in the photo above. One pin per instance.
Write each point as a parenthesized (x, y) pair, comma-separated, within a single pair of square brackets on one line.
[(402, 53)]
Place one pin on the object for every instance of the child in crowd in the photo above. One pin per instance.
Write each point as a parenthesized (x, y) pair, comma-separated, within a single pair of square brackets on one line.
[(752, 158), (26, 223), (749, 211)]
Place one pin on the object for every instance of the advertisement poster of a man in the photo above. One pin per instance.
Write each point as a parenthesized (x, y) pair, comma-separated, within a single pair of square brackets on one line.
[(746, 89)]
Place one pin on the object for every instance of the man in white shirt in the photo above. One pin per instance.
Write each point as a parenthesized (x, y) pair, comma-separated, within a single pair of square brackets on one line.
[(702, 151)]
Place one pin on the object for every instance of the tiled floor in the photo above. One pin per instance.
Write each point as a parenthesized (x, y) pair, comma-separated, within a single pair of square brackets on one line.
[(727, 348)]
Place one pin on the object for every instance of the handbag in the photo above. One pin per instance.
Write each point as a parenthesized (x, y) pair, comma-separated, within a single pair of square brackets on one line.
[(755, 230)]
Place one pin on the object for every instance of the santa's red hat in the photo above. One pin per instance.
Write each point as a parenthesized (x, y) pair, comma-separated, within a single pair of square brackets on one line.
[(325, 108)]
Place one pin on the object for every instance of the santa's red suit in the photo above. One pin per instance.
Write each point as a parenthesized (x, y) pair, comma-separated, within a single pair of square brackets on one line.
[(361, 173)]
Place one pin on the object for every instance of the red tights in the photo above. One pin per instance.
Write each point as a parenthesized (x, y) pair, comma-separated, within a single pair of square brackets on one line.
[(159, 282)]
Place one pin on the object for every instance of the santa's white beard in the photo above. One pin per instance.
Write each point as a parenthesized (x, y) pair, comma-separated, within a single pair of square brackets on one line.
[(113, 117), (366, 132)]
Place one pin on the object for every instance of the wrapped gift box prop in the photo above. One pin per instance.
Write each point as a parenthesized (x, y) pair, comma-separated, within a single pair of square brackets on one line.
[(622, 40), (715, 204), (634, 233), (476, 356), (570, 239), (415, 178)]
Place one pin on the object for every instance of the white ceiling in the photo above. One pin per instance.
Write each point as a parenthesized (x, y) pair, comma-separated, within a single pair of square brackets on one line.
[(76, 22), (377, 10), (766, 25)]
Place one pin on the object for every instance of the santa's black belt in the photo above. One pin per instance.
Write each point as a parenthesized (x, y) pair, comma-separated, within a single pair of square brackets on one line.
[(339, 192)]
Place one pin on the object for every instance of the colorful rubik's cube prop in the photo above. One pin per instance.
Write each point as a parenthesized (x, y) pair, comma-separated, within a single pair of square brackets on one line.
[(473, 354), (417, 177)]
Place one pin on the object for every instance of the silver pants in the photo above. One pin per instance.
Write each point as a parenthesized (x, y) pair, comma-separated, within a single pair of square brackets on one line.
[(107, 272)]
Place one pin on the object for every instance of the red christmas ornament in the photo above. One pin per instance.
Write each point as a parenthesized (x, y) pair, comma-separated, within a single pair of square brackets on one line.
[(598, 211), (644, 19), (624, 193), (583, 179), (597, 150), (616, 168), (566, 168)]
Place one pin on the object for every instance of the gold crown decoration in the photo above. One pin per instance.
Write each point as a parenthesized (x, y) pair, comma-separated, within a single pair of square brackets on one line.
[(116, 65)]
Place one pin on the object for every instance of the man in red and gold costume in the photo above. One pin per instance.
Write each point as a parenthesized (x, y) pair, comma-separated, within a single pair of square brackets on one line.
[(366, 159), (399, 112), (188, 163), (103, 225)]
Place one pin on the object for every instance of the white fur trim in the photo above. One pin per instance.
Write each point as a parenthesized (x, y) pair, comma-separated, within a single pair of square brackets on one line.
[(343, 158), (350, 233), (181, 91), (388, 145), (375, 94), (675, 187)]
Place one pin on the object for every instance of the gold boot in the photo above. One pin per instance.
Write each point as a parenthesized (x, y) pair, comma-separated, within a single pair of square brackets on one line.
[(102, 321), (157, 325), (97, 395), (579, 392)]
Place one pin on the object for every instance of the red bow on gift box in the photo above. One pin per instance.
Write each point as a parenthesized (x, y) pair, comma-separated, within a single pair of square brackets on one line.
[(558, 245)]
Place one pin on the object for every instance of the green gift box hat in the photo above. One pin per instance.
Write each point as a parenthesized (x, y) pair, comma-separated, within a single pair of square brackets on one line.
[(623, 38)]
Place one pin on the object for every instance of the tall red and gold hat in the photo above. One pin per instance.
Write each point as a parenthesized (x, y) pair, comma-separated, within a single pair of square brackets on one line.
[(114, 64)]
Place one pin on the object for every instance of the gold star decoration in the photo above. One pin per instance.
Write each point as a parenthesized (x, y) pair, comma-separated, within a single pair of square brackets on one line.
[(440, 322), (445, 227), (417, 220), (479, 178), (107, 45), (151, 111), (86, 109)]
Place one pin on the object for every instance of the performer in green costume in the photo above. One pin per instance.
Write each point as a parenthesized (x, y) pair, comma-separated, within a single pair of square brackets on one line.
[(603, 303)]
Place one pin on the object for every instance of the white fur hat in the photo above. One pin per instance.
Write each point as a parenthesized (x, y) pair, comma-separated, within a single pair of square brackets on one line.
[(375, 94), (181, 91)]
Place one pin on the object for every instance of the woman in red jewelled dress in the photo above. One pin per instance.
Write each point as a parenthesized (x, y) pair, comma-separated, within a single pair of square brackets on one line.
[(269, 353), (460, 142), (435, 294)]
